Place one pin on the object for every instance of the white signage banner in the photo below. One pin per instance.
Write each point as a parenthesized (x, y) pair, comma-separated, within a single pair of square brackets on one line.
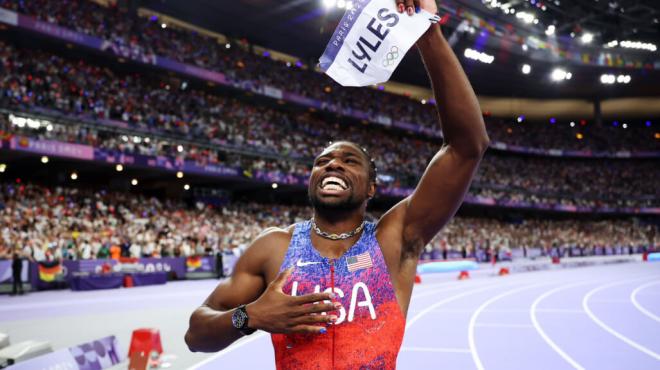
[(370, 42)]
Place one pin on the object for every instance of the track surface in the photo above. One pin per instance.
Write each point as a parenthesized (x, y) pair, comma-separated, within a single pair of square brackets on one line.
[(604, 317)]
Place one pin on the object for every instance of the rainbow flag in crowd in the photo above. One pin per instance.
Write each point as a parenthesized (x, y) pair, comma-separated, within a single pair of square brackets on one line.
[(49, 271), (193, 263)]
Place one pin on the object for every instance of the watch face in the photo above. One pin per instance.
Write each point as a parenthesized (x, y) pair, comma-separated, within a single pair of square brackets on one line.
[(238, 319)]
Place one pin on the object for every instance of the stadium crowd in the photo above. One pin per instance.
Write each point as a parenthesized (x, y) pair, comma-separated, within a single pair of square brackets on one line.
[(71, 223), (528, 179), (40, 80), (146, 36)]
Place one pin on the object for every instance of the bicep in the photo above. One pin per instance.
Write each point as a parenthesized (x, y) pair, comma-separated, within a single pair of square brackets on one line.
[(438, 195), (245, 285)]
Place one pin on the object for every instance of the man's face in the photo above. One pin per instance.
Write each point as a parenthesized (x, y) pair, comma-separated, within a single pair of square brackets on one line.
[(340, 178)]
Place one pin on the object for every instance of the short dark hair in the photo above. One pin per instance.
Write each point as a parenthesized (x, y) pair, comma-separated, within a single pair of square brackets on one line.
[(373, 171)]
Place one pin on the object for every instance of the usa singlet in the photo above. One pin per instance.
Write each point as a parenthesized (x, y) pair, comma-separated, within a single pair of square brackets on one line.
[(370, 325)]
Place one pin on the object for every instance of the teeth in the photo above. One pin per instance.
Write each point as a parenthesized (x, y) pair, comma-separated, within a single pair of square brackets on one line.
[(333, 179), (333, 187)]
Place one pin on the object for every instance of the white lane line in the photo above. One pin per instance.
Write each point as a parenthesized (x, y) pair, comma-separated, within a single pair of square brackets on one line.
[(446, 300), (607, 328), (498, 325), (633, 299), (436, 349), (533, 311), (229, 349), (475, 315)]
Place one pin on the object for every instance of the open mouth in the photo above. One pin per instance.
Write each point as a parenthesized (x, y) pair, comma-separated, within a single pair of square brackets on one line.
[(333, 183)]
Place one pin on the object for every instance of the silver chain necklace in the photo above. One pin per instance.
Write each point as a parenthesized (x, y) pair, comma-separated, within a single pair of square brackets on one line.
[(341, 236)]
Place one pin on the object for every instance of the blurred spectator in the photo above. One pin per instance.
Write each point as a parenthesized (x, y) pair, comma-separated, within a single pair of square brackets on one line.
[(65, 222)]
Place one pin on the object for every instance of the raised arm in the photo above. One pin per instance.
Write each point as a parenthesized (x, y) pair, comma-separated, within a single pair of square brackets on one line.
[(448, 176), (268, 308)]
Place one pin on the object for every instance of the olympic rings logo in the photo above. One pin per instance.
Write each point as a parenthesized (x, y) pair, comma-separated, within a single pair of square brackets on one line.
[(391, 56)]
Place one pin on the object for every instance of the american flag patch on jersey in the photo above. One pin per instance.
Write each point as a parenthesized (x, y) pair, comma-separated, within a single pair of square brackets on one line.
[(361, 261)]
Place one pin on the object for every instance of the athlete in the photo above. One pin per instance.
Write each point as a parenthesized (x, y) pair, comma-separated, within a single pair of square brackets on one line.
[(334, 291)]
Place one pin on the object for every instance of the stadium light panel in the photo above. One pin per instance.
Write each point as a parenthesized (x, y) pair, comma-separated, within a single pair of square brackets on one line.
[(476, 55), (526, 17), (607, 79), (559, 74), (550, 30), (587, 38), (628, 44)]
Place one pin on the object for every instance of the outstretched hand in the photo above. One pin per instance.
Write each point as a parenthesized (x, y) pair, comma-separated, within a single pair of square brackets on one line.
[(277, 312), (410, 6)]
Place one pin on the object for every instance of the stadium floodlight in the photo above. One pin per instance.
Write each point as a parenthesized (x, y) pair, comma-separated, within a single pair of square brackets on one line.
[(329, 3), (274, 185), (179, 175), (559, 74), (612, 44), (587, 38), (186, 187), (526, 17), (341, 4), (179, 148), (638, 45), (3, 167), (134, 182), (44, 159), (526, 69), (625, 125), (550, 30), (607, 79), (74, 176), (119, 167), (476, 55)]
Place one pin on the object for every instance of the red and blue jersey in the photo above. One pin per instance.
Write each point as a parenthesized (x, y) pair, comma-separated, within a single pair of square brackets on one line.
[(370, 325)]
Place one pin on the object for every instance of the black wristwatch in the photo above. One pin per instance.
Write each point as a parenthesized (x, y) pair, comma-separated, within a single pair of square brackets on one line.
[(240, 320)]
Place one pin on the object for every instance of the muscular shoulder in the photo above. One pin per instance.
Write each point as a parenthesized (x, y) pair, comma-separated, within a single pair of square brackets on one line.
[(267, 251)]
